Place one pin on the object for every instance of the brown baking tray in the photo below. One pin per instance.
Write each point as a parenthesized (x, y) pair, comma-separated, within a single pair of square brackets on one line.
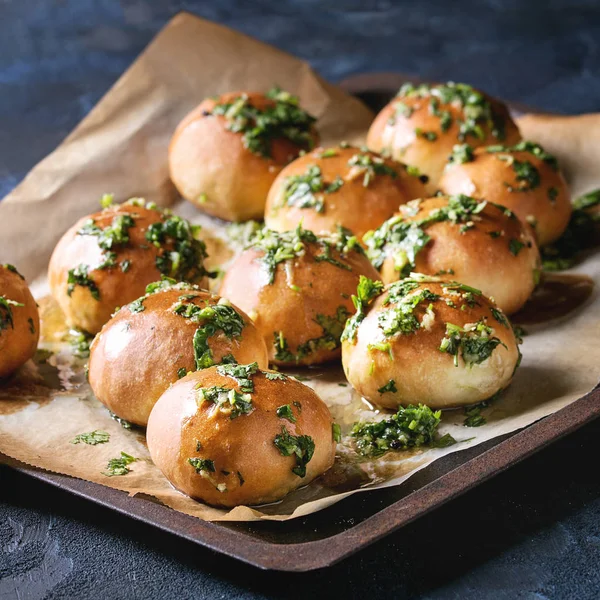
[(324, 538)]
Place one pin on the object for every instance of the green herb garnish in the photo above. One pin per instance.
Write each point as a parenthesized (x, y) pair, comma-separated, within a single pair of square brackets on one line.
[(301, 446), (366, 291), (92, 438), (79, 276), (285, 412), (474, 343), (259, 128), (390, 386), (119, 466), (306, 191), (370, 166), (410, 427)]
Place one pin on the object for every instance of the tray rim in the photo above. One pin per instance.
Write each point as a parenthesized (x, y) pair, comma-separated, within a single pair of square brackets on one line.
[(318, 554)]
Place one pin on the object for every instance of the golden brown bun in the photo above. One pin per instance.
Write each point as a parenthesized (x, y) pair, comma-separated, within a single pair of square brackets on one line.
[(396, 133), (420, 371), (354, 206), (19, 325), (248, 466), (481, 256), (211, 167), (115, 287), (304, 290), (130, 383), (492, 177)]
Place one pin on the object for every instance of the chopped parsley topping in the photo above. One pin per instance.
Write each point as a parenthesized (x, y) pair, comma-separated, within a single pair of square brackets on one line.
[(280, 247), (79, 276), (499, 316), (202, 464), (390, 386), (306, 191), (332, 326), (477, 111), (530, 147), (12, 269), (212, 320), (301, 446), (402, 240), (473, 416), (116, 234), (6, 313), (259, 128), (119, 466), (581, 233), (369, 166), (336, 433), (475, 342), (31, 326), (285, 412), (430, 136), (515, 246), (271, 376), (92, 438), (410, 427), (80, 342), (400, 318), (462, 153), (226, 400), (366, 291), (182, 253), (241, 373), (181, 373)]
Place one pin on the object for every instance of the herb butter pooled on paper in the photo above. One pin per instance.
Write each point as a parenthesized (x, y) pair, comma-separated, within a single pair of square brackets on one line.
[(424, 340), (107, 259), (340, 186), (524, 178), (421, 125), (19, 321), (179, 328), (226, 153), (296, 286), (220, 435), (465, 239)]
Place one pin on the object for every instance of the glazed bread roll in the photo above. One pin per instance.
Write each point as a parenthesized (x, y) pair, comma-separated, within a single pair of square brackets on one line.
[(226, 153), (422, 340), (107, 259), (341, 186), (297, 288), (473, 241), (19, 321), (423, 122), (181, 329), (234, 434), (523, 177)]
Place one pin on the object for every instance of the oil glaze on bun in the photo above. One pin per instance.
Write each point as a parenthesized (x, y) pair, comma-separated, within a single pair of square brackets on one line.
[(234, 435), (421, 340), (297, 289), (341, 186), (226, 153), (154, 341), (523, 177), (423, 122), (107, 259), (19, 321), (469, 240)]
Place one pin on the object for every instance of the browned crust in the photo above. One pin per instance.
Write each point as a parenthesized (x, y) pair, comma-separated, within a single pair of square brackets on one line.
[(244, 444), (137, 355)]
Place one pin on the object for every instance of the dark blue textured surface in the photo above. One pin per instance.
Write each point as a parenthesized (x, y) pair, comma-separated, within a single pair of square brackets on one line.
[(526, 534)]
